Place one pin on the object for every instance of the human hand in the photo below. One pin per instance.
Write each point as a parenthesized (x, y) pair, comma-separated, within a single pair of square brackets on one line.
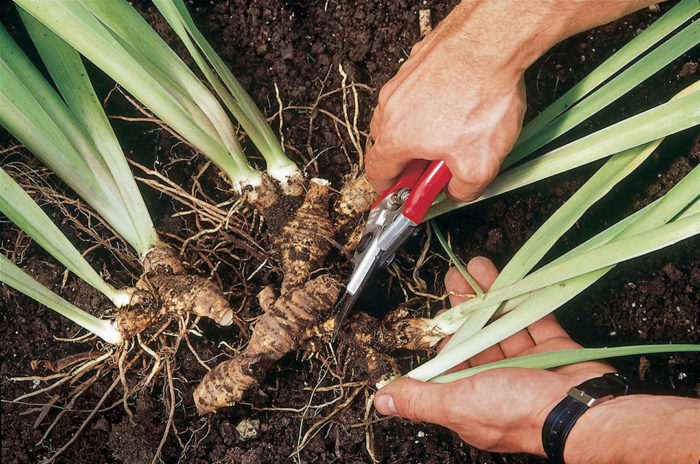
[(501, 409), (460, 96), (457, 99)]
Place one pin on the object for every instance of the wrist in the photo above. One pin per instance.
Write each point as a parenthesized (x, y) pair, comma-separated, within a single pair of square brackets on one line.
[(596, 422), (530, 440), (637, 428)]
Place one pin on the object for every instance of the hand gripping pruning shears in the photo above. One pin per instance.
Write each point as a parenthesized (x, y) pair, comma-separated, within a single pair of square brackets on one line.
[(392, 219)]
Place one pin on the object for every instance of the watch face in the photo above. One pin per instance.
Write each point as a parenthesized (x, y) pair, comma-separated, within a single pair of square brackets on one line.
[(608, 385)]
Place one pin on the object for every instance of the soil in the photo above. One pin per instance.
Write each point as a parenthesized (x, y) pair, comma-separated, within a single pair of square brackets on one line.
[(296, 47)]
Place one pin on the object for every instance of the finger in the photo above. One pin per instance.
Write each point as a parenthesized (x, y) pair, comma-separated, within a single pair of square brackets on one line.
[(376, 121), (457, 286), (489, 355), (471, 173), (566, 343), (546, 328), (517, 343), (414, 400), (383, 169), (459, 190), (483, 271), (553, 344), (459, 367)]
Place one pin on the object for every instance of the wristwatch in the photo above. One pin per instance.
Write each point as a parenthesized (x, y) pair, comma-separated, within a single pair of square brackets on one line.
[(577, 401)]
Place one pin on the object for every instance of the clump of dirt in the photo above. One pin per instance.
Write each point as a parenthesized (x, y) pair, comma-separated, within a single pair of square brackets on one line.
[(132, 440)]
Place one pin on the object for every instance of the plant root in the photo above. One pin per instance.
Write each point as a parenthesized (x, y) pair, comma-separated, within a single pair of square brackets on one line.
[(304, 242), (414, 334), (301, 240), (301, 236), (367, 342), (276, 333), (117, 364), (356, 197), (165, 289)]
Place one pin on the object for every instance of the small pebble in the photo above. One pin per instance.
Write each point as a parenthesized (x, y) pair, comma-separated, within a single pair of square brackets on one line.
[(102, 425), (248, 429)]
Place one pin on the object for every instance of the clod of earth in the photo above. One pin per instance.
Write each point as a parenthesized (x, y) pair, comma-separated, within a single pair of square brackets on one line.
[(248, 429)]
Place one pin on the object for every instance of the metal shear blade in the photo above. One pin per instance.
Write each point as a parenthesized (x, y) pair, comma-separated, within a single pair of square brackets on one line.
[(385, 231), (392, 219)]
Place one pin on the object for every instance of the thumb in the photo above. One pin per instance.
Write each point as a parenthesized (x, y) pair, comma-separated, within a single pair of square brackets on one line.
[(414, 400)]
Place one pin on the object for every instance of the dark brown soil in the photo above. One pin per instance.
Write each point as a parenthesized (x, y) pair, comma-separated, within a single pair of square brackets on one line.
[(298, 45)]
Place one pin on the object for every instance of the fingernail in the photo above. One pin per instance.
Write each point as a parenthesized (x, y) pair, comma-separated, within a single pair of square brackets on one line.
[(385, 405)]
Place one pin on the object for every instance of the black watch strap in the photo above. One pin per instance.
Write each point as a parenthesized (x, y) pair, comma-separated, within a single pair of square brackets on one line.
[(579, 399)]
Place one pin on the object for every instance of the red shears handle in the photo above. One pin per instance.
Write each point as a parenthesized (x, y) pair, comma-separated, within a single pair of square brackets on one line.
[(428, 187), (426, 180)]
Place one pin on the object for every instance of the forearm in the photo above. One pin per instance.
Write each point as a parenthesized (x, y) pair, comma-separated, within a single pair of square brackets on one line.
[(586, 14), (515, 33), (637, 429)]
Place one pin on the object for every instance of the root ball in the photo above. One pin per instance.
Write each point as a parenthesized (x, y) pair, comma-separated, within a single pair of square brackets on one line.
[(356, 198), (263, 196)]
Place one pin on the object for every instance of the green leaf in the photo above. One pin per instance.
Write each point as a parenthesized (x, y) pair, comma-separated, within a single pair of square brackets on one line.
[(565, 357), (228, 88), (616, 169), (68, 72), (587, 263), (599, 89), (146, 46), (616, 251), (77, 25), (23, 211), (455, 259), (16, 278), (34, 113)]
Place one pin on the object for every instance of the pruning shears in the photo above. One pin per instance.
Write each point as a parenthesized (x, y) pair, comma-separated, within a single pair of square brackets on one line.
[(392, 219)]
